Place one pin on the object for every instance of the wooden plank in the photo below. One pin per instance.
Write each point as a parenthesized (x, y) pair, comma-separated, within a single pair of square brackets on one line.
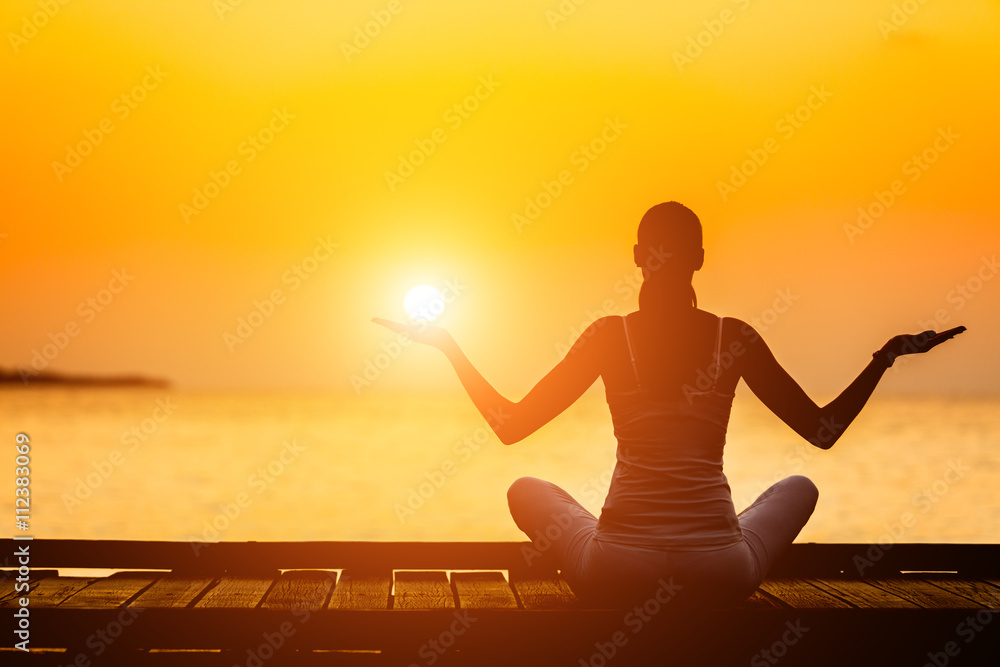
[(863, 595), (51, 591), (988, 597), (800, 594), (977, 561), (301, 589), (7, 590), (111, 591), (171, 591), (7, 575), (8, 584), (830, 560), (757, 601), (483, 590), (236, 592), (362, 590), (422, 590), (544, 592), (215, 557), (923, 593)]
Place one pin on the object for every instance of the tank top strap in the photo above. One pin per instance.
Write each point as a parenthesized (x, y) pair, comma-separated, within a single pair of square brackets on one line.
[(718, 355), (631, 353)]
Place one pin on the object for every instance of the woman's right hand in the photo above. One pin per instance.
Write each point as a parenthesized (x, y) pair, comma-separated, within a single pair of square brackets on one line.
[(419, 332), (898, 346)]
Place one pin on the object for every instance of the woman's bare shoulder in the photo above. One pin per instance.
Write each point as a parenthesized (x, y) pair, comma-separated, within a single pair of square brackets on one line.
[(735, 330), (595, 333)]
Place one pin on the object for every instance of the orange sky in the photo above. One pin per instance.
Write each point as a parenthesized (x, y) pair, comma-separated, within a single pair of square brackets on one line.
[(223, 149)]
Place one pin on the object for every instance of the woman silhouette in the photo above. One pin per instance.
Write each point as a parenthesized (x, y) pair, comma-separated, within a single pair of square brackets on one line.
[(670, 371)]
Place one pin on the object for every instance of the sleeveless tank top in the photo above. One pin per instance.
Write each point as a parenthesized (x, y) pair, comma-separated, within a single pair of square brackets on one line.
[(668, 489)]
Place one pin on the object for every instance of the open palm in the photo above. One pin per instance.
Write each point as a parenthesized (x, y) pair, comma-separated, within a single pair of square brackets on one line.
[(419, 332), (918, 343)]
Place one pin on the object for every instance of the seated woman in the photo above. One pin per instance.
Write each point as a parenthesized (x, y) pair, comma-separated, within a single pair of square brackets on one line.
[(670, 372)]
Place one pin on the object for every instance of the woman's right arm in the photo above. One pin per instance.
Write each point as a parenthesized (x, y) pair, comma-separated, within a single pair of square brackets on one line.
[(823, 426)]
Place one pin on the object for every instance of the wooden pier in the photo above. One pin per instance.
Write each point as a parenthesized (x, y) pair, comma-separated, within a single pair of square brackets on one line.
[(312, 603)]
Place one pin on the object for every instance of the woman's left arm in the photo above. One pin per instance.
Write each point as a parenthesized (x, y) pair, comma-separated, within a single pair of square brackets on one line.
[(514, 421)]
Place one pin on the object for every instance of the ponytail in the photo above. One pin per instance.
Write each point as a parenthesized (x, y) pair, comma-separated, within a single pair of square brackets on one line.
[(673, 226)]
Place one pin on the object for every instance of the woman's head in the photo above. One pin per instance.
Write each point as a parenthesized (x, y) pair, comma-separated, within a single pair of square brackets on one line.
[(669, 251)]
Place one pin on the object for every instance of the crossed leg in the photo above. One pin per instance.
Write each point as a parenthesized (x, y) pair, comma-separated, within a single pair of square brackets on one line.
[(556, 522)]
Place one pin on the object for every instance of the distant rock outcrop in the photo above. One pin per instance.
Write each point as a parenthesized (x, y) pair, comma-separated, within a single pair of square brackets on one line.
[(13, 377)]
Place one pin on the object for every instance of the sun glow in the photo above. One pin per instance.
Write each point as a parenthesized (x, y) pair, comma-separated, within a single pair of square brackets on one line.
[(423, 303)]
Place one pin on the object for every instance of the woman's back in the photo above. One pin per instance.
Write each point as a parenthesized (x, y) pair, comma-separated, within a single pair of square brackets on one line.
[(670, 384), (668, 488)]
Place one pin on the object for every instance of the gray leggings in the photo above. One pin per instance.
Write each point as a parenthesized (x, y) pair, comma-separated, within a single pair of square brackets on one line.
[(609, 574)]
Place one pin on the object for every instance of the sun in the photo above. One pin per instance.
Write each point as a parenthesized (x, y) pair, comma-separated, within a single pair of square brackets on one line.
[(424, 303)]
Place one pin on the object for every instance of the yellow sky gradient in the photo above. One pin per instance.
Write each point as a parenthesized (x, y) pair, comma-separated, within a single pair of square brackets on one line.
[(308, 129)]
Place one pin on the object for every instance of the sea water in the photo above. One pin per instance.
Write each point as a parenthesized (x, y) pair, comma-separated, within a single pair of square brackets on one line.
[(165, 464)]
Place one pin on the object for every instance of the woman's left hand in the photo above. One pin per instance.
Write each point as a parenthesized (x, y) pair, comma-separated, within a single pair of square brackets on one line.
[(917, 343), (419, 332)]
